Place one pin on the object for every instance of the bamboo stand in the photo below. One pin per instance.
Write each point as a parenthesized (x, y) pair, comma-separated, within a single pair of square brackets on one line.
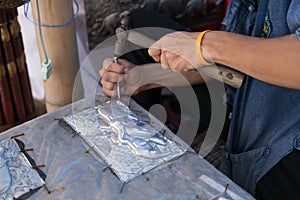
[(61, 47)]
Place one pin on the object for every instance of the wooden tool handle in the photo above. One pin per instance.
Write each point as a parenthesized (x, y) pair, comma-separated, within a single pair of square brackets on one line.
[(229, 76)]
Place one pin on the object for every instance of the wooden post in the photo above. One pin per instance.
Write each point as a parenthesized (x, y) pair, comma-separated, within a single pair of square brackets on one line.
[(61, 47)]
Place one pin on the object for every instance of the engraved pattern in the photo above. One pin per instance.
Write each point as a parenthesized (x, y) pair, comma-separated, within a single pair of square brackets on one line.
[(127, 155), (17, 175)]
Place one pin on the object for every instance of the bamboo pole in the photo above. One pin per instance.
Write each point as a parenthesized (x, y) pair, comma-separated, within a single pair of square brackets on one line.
[(61, 47)]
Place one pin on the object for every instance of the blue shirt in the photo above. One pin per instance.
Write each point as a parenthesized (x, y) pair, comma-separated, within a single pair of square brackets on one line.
[(266, 118)]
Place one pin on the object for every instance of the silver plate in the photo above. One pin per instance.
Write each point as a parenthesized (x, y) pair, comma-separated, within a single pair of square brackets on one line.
[(125, 140), (17, 176)]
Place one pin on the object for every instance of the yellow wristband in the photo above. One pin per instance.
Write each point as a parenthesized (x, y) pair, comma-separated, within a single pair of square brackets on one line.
[(198, 48)]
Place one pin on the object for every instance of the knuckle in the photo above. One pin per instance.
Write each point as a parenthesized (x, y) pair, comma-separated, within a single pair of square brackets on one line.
[(102, 82), (107, 62), (115, 67), (111, 86), (108, 67), (150, 51), (168, 55), (105, 76), (107, 91)]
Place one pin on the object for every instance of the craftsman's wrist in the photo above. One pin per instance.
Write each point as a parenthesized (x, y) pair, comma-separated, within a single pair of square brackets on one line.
[(201, 53), (211, 46)]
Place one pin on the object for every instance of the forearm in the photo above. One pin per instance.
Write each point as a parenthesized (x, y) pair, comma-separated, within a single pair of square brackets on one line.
[(192, 78), (275, 61)]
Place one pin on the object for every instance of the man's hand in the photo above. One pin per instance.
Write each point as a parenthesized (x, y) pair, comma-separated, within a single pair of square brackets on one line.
[(176, 51), (112, 73)]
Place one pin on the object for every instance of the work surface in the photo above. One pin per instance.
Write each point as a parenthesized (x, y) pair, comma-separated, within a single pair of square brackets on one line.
[(74, 173)]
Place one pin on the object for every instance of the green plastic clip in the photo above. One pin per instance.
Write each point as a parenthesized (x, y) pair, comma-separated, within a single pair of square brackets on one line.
[(46, 69)]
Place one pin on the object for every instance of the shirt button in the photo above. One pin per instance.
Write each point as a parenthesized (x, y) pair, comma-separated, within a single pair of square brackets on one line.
[(251, 8)]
